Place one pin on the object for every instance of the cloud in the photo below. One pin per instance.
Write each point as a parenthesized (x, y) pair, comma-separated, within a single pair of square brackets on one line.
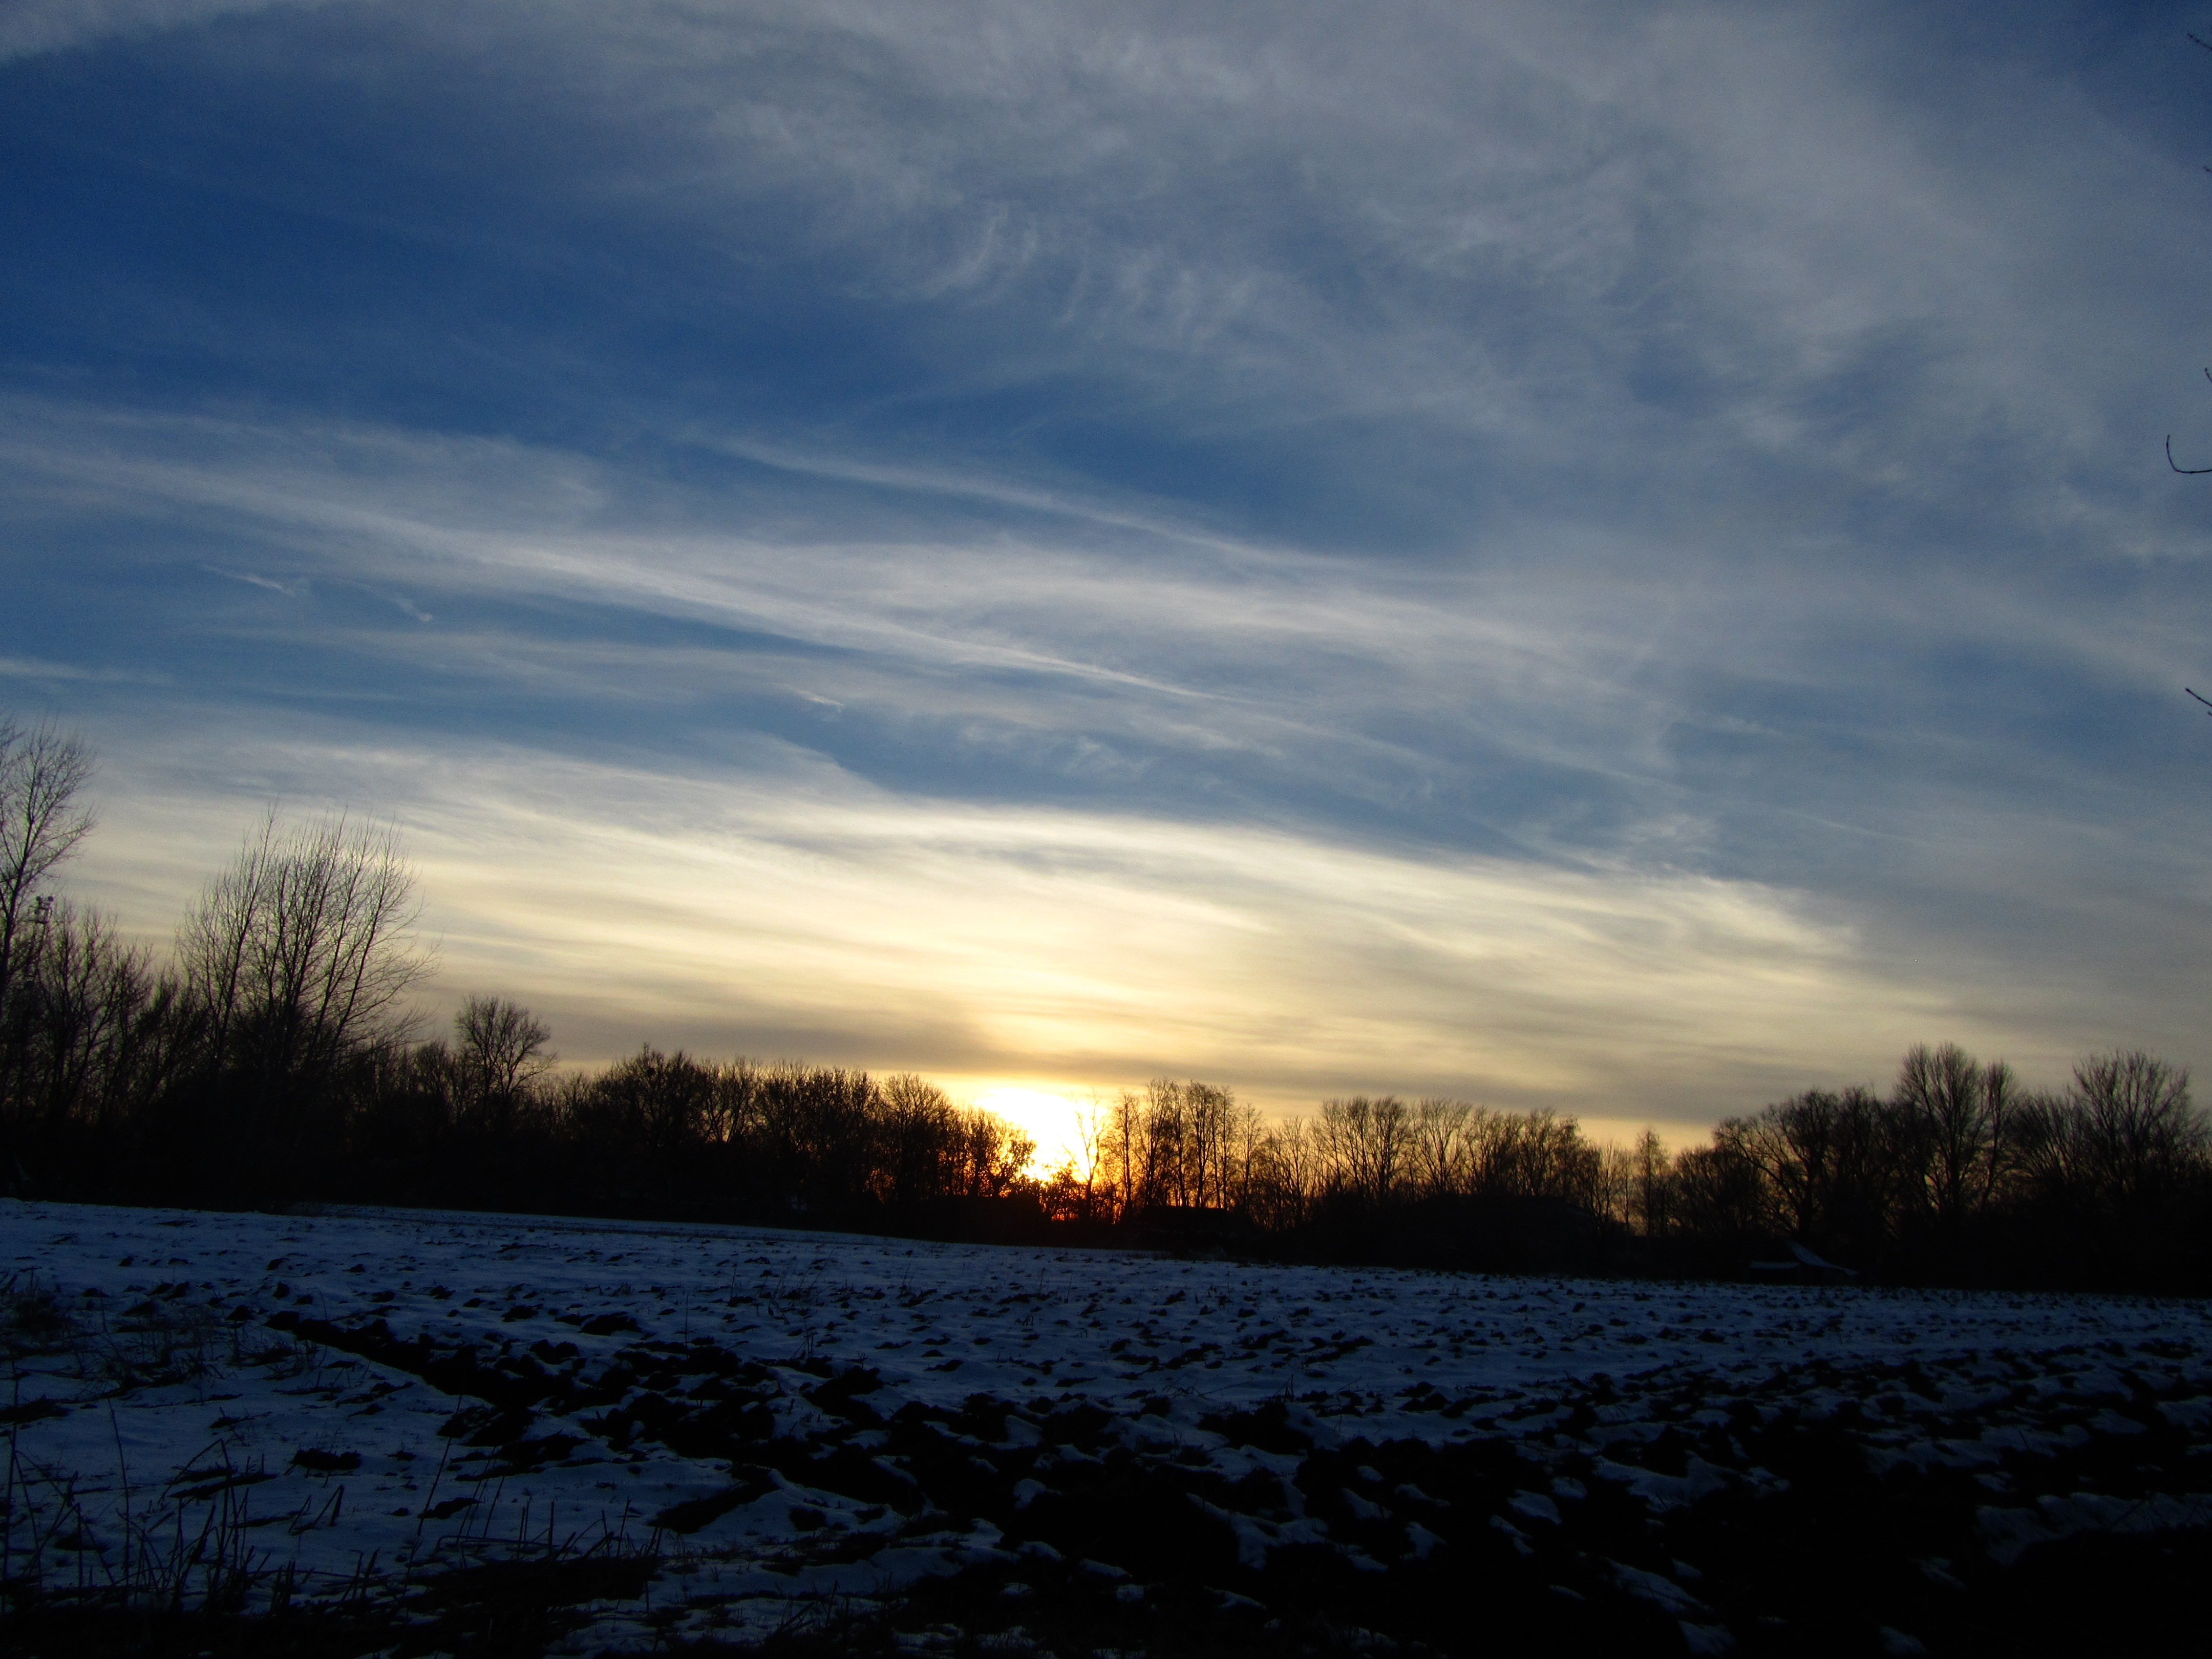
[(1065, 824), (253, 581), (30, 29), (1694, 464), (798, 908), (30, 668)]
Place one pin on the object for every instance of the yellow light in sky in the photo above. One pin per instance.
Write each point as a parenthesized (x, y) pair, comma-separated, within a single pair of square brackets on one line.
[(1047, 1118)]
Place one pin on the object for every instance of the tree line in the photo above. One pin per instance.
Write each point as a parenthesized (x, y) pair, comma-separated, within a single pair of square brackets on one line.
[(1957, 1174), (1960, 1173), (273, 1056)]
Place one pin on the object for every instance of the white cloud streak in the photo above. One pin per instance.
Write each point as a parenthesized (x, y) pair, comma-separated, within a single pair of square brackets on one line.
[(757, 894), (1736, 537), (30, 29), (798, 906)]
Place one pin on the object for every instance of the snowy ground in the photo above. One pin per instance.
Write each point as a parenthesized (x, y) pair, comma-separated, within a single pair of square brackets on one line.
[(707, 1431)]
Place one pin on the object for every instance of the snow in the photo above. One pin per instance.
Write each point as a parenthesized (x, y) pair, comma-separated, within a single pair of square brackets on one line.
[(2010, 1532), (179, 1409)]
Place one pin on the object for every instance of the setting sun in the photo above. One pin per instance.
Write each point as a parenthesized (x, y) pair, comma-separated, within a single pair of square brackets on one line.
[(1049, 1119)]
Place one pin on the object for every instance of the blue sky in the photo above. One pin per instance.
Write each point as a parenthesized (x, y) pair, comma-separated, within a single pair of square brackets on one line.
[(1613, 556)]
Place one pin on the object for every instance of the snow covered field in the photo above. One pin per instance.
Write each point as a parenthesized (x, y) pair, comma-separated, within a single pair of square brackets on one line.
[(705, 1430)]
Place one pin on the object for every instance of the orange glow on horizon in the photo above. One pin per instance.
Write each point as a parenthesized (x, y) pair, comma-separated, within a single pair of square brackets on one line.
[(1048, 1117)]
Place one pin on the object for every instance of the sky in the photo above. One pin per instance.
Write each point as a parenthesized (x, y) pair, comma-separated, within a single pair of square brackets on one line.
[(1615, 557)]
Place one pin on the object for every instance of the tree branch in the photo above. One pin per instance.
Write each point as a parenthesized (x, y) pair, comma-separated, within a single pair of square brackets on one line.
[(2186, 472)]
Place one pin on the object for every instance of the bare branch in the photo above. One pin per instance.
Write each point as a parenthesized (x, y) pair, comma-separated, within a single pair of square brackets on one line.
[(2186, 472), (300, 947), (41, 772)]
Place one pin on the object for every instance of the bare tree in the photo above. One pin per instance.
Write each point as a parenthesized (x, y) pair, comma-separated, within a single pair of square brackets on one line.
[(1124, 1142), (2134, 1125), (1288, 1169), (41, 772), (77, 1031), (1088, 1155), (1366, 1143), (996, 1153), (920, 1142), (1171, 1144), (1716, 1195), (302, 946), (1216, 1144), (1437, 1147), (1965, 1114), (1653, 1165), (500, 1048)]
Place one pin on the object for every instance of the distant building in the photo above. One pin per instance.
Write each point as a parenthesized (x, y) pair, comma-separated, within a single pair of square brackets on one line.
[(1803, 1268)]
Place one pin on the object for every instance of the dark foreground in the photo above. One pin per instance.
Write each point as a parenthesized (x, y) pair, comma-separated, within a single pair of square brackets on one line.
[(821, 1445)]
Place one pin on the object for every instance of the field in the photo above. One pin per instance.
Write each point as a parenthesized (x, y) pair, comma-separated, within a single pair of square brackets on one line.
[(442, 1432)]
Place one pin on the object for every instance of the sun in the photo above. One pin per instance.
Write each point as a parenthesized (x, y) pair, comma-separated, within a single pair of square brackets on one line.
[(1047, 1118)]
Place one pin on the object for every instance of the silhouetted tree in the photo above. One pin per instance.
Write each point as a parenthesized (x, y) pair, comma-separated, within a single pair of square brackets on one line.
[(303, 945), (42, 772), (1364, 1144), (1962, 1117), (499, 1050), (297, 956)]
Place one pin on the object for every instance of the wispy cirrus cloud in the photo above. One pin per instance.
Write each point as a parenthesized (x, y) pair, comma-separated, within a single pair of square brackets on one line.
[(33, 27), (798, 905), (1697, 464)]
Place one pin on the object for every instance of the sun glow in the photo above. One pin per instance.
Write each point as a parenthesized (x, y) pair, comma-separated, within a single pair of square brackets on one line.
[(1049, 1119)]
